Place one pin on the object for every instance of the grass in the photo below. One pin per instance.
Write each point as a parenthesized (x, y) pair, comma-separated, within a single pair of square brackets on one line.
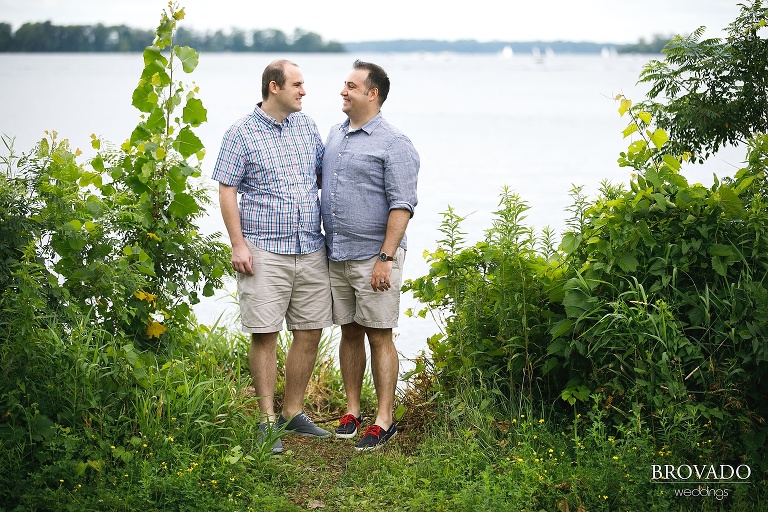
[(175, 432)]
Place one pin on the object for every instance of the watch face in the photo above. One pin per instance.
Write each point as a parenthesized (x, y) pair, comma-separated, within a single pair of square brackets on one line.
[(383, 256)]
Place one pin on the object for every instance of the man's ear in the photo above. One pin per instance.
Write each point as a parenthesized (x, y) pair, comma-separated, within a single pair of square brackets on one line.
[(373, 94)]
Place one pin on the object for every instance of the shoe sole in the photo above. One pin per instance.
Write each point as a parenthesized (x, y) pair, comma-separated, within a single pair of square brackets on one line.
[(376, 446), (305, 434), (346, 436)]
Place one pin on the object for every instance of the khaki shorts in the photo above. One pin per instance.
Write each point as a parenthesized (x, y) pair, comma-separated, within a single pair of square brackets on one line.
[(290, 288), (355, 300)]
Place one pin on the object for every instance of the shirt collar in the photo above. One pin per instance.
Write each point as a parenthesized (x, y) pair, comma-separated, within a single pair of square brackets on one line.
[(367, 127), (268, 119)]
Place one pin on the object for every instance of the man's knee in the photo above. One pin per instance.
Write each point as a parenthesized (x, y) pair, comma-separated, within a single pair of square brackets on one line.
[(353, 332), (379, 337)]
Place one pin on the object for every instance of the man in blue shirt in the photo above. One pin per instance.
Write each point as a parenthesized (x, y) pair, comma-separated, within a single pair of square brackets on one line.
[(369, 176), (272, 158)]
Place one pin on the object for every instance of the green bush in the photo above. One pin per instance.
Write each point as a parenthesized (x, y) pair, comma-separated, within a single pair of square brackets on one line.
[(656, 299)]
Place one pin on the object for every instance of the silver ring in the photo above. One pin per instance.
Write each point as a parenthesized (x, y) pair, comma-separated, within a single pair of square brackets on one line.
[(382, 282)]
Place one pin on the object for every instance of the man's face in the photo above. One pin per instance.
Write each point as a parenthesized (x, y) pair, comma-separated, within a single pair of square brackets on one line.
[(290, 95), (355, 94)]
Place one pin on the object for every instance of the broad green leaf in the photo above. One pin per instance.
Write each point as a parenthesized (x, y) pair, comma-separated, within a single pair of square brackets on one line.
[(152, 69), (177, 180), (637, 146), (629, 130), (653, 178), (183, 205), (160, 79), (152, 54), (165, 31), (672, 162), (645, 233), (188, 56), (139, 134), (41, 427), (731, 202), (743, 184), (557, 330), (187, 143), (194, 112), (155, 123), (627, 262), (659, 138), (720, 250), (645, 117), (661, 201), (576, 302), (98, 164), (570, 242), (135, 184), (718, 265), (144, 97)]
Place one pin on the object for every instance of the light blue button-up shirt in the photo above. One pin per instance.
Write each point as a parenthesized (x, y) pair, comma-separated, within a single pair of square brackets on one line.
[(366, 173)]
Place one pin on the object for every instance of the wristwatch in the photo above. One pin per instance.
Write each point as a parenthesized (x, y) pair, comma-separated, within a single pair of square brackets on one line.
[(386, 257)]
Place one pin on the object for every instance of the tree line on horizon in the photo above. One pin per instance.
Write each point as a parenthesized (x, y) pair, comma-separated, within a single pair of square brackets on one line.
[(47, 37)]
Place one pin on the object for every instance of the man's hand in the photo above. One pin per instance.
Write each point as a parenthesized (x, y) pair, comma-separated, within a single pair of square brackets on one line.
[(242, 260), (382, 271)]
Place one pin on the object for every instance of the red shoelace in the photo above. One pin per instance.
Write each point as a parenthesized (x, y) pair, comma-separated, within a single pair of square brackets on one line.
[(347, 419), (374, 430)]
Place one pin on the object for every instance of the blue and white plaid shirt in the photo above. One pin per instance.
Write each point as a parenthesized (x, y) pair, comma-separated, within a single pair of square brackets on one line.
[(275, 167)]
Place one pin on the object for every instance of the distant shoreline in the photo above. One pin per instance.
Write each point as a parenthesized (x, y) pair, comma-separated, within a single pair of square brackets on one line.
[(46, 37)]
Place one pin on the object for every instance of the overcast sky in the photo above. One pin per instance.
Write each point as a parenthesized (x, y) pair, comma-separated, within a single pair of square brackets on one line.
[(603, 21)]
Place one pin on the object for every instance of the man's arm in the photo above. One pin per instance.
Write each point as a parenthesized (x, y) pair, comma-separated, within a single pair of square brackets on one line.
[(241, 256), (397, 223)]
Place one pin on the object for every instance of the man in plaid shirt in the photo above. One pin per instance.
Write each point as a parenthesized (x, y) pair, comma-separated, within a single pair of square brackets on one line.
[(272, 158)]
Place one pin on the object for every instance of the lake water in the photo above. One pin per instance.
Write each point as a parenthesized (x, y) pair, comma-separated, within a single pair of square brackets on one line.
[(479, 122)]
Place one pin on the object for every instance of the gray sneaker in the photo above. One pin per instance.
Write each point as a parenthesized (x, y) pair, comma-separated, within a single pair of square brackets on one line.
[(266, 433), (301, 424)]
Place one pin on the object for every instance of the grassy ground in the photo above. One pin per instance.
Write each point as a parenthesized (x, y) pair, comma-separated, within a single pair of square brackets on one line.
[(325, 472), (459, 472)]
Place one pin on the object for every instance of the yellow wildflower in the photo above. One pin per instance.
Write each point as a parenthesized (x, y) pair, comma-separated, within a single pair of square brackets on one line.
[(155, 329)]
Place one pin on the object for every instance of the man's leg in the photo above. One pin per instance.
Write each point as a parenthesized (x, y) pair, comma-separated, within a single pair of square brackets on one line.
[(299, 364), (352, 363), (385, 365), (262, 359)]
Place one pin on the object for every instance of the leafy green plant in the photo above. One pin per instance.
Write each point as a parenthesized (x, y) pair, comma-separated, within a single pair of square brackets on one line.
[(655, 298), (493, 298), (154, 178), (714, 92)]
